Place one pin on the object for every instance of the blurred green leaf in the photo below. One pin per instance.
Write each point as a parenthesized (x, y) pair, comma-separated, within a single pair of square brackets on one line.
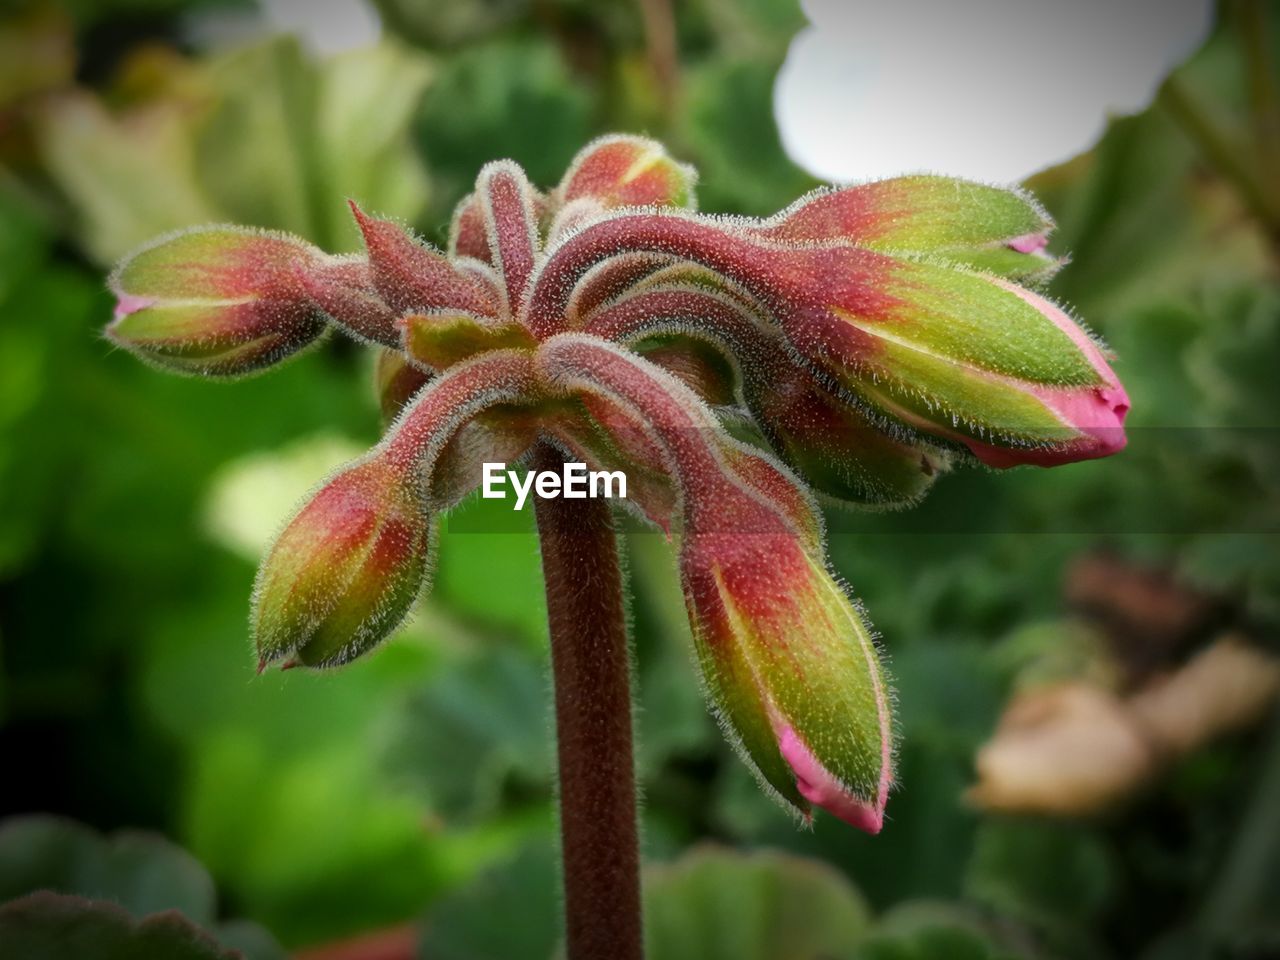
[(521, 103), (449, 24), (489, 572), (731, 135), (711, 903), (88, 12), (761, 27), (50, 926), (1008, 874), (267, 98), (511, 912), (477, 730), (288, 139), (715, 903), (36, 51), (931, 931), (127, 180), (674, 720), (23, 241), (367, 102), (92, 885), (1140, 219), (143, 873), (260, 135)]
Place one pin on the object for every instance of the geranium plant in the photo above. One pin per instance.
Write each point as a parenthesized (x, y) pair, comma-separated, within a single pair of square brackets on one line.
[(849, 349)]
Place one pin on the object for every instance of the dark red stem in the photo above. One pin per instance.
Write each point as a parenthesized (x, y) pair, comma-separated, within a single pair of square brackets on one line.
[(592, 670)]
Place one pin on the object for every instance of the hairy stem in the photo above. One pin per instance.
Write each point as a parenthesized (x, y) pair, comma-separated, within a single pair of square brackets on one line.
[(591, 667)]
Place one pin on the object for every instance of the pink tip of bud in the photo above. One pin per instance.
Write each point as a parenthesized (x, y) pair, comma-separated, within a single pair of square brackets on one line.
[(1028, 243), (262, 665), (290, 664), (127, 303), (1098, 413), (819, 787)]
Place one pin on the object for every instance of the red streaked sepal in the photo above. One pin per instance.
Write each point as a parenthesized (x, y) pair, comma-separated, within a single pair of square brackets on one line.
[(409, 275), (607, 281), (217, 301), (627, 171), (346, 569), (1000, 230), (468, 237)]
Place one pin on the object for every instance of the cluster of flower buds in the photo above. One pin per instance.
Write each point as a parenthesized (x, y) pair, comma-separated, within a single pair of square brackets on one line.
[(866, 338)]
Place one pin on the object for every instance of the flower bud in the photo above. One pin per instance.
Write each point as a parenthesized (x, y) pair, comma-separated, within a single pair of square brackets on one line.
[(793, 671), (218, 301), (345, 571), (965, 357), (627, 171)]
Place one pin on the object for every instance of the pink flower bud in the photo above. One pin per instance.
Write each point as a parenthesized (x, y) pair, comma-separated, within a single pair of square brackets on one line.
[(791, 667)]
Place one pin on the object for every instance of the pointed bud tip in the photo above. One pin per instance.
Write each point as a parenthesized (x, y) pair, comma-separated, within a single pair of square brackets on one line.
[(346, 569), (1099, 415), (1028, 242), (816, 784), (127, 303), (363, 220)]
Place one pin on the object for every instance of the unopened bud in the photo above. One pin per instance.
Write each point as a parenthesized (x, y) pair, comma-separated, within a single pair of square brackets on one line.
[(218, 301), (793, 671), (345, 571)]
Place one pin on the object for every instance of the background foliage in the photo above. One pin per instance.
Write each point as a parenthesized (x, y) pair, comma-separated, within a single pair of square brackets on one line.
[(416, 785)]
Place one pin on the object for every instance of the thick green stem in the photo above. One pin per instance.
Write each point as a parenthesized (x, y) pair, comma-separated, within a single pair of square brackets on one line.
[(592, 670)]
